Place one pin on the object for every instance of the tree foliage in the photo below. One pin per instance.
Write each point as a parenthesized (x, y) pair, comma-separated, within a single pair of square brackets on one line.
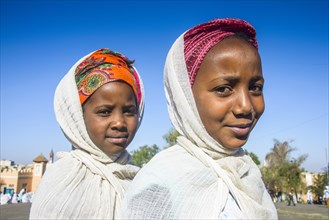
[(290, 173), (253, 156), (319, 184), (283, 173), (271, 179), (284, 177), (144, 154), (171, 137)]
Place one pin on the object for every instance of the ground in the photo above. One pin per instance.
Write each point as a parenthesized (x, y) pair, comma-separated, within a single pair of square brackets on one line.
[(300, 211)]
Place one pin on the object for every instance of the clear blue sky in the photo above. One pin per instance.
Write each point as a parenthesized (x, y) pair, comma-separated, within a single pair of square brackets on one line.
[(41, 40)]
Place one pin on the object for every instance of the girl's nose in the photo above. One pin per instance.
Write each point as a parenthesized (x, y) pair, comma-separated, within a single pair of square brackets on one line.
[(243, 105), (118, 121)]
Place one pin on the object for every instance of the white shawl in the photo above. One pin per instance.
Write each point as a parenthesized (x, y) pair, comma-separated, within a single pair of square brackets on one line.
[(85, 183), (193, 179)]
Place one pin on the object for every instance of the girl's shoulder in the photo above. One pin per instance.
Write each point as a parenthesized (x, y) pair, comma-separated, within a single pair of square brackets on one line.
[(47, 196), (168, 166), (171, 176), (172, 161), (61, 167)]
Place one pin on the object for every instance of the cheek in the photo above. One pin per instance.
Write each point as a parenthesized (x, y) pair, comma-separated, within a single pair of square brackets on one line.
[(132, 125), (94, 127), (88, 124), (259, 107), (92, 131), (212, 111)]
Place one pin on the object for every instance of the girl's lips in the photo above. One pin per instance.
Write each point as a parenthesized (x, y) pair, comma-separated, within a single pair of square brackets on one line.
[(117, 140), (241, 130)]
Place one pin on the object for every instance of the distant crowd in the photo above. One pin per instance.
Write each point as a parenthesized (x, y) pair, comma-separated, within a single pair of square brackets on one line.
[(21, 197), (293, 198)]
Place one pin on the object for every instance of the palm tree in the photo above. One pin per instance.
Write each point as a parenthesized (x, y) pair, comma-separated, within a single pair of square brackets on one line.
[(280, 171), (279, 153)]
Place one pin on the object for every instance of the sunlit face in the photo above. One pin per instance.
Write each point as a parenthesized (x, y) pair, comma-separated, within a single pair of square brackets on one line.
[(228, 91), (110, 116)]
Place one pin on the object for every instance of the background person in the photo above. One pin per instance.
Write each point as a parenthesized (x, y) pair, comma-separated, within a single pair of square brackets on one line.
[(309, 195), (291, 200), (326, 195)]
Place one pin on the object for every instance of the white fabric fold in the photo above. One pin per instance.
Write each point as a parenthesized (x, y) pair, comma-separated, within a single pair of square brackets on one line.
[(195, 178), (85, 183)]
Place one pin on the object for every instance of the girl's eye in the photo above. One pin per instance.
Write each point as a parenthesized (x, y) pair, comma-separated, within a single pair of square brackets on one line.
[(130, 111), (223, 90), (104, 112), (256, 89)]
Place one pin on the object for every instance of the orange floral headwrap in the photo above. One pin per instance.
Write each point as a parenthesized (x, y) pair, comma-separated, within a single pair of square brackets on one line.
[(104, 66)]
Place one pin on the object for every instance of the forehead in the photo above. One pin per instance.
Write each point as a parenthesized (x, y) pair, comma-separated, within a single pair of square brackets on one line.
[(231, 57), (233, 44), (116, 92), (231, 53)]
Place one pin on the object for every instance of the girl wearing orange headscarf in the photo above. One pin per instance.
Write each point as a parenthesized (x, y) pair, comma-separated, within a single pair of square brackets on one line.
[(99, 106)]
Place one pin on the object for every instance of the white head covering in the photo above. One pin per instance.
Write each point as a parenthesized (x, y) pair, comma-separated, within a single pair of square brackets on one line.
[(85, 183), (193, 179)]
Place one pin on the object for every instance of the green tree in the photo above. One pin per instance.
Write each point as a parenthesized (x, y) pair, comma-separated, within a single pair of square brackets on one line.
[(253, 156), (319, 184), (144, 154), (290, 176), (171, 137), (280, 172), (270, 178)]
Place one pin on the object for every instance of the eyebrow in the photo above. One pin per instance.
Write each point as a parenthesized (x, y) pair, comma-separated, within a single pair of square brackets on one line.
[(127, 105), (230, 78), (257, 78), (235, 78), (104, 106)]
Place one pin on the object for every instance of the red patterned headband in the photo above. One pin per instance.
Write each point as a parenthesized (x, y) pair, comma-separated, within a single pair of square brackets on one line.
[(201, 38)]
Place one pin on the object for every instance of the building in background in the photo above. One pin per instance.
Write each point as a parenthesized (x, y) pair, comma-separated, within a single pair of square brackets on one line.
[(15, 177)]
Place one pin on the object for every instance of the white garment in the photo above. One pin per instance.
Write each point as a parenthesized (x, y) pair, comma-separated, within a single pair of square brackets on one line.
[(27, 197), (4, 199), (193, 179), (14, 198), (326, 193), (231, 210), (85, 183)]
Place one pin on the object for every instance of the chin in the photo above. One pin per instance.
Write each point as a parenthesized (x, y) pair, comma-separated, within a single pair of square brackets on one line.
[(114, 150), (235, 144)]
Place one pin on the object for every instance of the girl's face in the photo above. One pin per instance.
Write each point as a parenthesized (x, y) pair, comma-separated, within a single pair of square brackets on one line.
[(228, 91), (110, 115)]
